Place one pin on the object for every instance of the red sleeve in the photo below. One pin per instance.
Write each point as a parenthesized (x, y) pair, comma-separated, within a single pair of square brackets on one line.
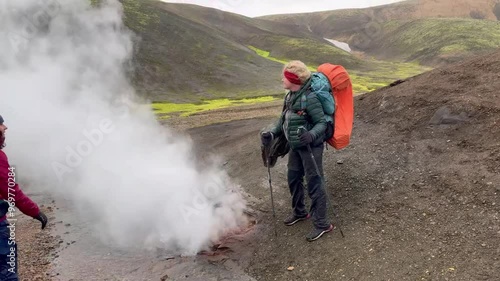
[(10, 189)]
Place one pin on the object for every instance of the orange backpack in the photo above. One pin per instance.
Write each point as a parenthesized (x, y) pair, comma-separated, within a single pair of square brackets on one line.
[(343, 116)]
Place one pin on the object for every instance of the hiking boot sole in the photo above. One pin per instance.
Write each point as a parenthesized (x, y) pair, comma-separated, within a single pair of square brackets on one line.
[(332, 227), (297, 220)]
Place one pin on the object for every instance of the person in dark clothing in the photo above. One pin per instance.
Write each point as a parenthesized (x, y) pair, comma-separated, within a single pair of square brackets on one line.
[(303, 109), (11, 196)]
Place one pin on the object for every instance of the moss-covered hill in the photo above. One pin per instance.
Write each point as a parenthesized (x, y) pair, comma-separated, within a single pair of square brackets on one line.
[(432, 32), (437, 41), (178, 59), (188, 53)]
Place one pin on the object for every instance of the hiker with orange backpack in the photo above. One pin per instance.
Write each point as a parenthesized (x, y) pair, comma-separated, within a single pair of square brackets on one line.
[(303, 109)]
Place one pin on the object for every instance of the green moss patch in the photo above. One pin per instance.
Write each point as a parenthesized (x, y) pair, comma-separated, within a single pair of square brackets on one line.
[(165, 110)]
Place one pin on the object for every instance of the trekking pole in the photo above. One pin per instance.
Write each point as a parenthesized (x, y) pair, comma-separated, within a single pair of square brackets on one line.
[(300, 131), (272, 198)]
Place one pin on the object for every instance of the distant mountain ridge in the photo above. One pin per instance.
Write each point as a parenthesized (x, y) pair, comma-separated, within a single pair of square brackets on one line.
[(378, 30)]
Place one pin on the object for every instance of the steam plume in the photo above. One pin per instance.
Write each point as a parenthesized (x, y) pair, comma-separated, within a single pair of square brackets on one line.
[(78, 130)]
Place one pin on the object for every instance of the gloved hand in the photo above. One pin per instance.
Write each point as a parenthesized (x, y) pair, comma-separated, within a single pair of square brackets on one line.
[(305, 138), (266, 138), (42, 218)]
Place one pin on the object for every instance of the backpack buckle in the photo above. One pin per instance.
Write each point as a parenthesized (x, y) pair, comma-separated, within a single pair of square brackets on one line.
[(301, 112)]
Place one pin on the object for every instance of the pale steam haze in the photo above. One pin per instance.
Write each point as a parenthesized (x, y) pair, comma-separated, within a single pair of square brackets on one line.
[(254, 8), (76, 130)]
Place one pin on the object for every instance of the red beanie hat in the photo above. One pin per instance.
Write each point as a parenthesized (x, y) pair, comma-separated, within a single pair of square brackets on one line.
[(292, 77)]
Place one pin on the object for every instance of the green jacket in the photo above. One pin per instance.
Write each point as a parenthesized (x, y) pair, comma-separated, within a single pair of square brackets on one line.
[(313, 117)]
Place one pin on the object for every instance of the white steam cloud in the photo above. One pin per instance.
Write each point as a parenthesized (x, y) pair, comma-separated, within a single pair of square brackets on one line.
[(77, 129)]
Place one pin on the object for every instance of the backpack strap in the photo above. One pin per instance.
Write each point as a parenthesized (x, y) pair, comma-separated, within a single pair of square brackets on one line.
[(284, 102), (303, 98), (302, 111), (303, 103)]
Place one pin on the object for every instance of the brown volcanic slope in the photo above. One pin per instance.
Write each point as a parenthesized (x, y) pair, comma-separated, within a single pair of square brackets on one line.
[(417, 195)]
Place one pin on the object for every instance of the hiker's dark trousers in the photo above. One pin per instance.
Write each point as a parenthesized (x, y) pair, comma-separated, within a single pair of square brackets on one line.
[(8, 254), (300, 164)]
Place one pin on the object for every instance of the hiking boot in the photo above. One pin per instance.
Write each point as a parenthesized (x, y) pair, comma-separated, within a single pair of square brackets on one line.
[(293, 219), (317, 233)]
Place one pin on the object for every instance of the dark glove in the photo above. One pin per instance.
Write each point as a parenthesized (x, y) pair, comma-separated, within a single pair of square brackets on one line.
[(42, 218), (4, 208), (266, 138), (306, 138)]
